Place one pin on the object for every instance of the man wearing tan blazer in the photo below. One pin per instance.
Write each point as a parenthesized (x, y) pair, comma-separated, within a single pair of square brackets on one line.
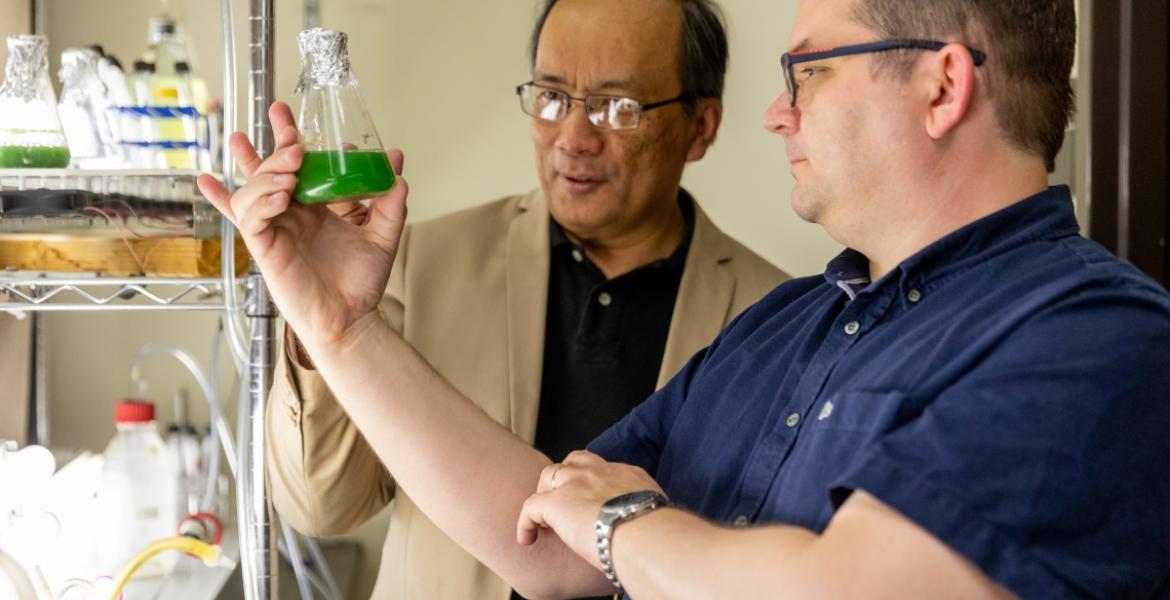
[(470, 291)]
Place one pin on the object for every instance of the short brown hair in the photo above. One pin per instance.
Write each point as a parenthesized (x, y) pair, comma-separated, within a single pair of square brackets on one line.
[(1029, 45)]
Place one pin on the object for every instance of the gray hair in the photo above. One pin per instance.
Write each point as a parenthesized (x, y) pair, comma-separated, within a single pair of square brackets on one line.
[(703, 64)]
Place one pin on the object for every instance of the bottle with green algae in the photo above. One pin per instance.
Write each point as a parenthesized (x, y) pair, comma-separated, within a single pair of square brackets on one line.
[(30, 130), (344, 158)]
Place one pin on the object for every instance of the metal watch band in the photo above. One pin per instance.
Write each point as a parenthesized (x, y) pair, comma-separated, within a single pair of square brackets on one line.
[(638, 503)]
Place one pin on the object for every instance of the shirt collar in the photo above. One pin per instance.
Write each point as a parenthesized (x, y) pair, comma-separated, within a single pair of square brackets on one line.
[(559, 242), (1047, 215)]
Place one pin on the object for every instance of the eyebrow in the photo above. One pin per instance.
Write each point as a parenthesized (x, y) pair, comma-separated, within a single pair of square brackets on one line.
[(613, 85), (801, 47)]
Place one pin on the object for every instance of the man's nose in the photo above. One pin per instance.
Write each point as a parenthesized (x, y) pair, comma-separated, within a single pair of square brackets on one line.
[(577, 136), (781, 117)]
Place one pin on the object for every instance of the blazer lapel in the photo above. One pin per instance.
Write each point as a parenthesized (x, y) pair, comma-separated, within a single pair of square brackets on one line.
[(527, 298), (704, 297)]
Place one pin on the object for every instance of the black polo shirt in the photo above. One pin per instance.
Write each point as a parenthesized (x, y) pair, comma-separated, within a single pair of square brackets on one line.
[(604, 339)]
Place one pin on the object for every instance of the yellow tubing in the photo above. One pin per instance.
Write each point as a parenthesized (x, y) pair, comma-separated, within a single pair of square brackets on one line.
[(207, 552)]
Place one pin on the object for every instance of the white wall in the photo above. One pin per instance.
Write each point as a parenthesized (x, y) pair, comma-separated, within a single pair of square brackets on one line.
[(437, 76), (15, 17)]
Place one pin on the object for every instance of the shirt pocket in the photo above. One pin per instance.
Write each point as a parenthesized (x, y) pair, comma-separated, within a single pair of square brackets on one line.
[(839, 431), (860, 413)]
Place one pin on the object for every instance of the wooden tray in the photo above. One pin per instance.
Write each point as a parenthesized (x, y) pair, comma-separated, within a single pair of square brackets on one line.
[(115, 257)]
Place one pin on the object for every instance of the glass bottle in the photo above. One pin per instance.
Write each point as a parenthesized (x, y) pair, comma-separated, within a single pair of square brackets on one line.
[(30, 130), (344, 158)]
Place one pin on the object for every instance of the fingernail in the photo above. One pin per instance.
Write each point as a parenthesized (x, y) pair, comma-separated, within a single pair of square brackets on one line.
[(283, 179)]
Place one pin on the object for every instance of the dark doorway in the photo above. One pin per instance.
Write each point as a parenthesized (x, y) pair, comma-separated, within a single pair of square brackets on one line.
[(1130, 156)]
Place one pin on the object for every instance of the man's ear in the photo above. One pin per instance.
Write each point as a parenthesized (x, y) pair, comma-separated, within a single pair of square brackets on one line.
[(950, 81), (708, 116)]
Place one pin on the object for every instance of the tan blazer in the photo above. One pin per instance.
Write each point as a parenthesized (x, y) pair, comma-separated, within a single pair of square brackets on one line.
[(469, 292)]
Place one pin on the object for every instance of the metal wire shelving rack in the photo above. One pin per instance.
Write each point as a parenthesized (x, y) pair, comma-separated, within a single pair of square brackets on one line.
[(253, 346)]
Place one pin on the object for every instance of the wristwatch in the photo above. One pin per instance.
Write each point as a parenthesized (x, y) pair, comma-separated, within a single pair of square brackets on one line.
[(616, 510)]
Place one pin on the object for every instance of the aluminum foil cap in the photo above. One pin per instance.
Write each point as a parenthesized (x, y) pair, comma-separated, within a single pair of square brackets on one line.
[(27, 56), (324, 57), (79, 71)]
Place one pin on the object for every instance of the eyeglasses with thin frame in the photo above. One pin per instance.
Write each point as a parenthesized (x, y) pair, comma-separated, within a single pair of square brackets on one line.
[(790, 59), (604, 112)]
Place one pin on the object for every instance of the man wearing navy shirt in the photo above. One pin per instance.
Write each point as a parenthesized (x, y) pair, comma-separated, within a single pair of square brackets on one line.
[(972, 402)]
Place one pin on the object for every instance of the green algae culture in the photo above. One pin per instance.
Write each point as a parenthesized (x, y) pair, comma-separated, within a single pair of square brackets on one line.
[(330, 176), (34, 157)]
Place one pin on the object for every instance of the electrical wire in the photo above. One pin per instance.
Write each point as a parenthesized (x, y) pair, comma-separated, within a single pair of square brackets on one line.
[(138, 261), (210, 555)]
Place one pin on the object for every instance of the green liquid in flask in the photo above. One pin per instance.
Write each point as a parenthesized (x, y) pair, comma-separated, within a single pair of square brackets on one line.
[(327, 176), (34, 157)]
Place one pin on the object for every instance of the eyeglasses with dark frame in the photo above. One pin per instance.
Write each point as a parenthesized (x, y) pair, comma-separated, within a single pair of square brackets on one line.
[(604, 112), (790, 59)]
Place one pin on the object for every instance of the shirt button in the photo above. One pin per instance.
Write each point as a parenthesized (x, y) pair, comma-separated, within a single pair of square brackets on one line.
[(914, 296), (793, 420), (577, 256), (604, 299), (852, 328), (741, 521)]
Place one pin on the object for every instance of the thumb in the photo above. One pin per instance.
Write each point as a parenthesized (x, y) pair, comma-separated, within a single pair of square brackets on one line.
[(388, 211), (388, 217)]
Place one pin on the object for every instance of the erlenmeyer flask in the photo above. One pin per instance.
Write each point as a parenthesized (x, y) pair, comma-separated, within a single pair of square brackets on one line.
[(30, 131), (344, 159), (84, 111)]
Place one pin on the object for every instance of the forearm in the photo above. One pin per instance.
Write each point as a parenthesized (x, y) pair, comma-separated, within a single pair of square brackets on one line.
[(466, 472), (868, 551), (674, 554)]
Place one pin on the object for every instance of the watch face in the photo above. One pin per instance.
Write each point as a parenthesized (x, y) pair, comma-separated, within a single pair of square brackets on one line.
[(627, 500)]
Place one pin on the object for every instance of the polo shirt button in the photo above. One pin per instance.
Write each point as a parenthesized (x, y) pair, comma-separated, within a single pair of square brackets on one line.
[(793, 420), (604, 299), (741, 521), (914, 296), (577, 256), (852, 328)]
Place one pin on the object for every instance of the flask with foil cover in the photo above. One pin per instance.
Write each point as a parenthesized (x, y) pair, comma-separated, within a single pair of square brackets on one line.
[(30, 130), (344, 158)]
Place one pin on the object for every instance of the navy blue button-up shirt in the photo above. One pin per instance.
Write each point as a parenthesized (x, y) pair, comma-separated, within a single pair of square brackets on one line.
[(1007, 388)]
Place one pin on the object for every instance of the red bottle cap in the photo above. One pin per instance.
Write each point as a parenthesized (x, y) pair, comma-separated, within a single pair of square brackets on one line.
[(133, 411)]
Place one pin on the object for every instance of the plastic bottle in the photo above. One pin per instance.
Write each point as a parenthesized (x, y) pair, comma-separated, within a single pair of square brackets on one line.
[(184, 445), (124, 126), (139, 492), (146, 157), (166, 49), (184, 87), (187, 450), (344, 159)]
